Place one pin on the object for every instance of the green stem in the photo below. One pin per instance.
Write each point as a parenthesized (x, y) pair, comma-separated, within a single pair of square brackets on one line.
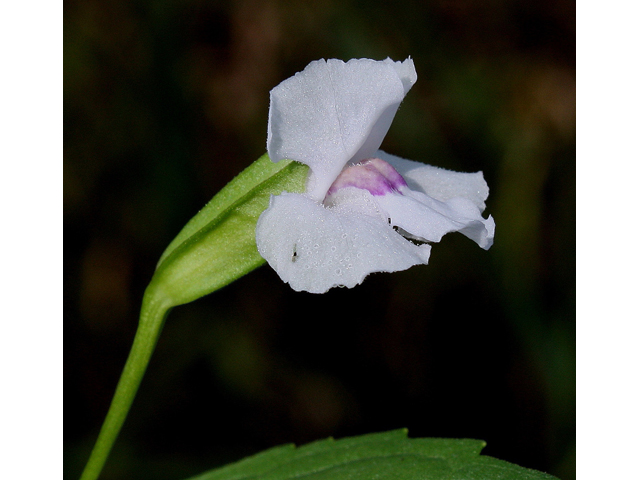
[(155, 309)]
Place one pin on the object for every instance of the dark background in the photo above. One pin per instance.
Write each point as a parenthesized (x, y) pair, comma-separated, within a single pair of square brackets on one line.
[(166, 101)]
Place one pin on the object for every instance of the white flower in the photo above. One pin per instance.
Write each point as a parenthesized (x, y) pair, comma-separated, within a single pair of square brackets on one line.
[(364, 210)]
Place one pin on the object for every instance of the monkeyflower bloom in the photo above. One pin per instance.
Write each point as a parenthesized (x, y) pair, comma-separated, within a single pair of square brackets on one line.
[(363, 210)]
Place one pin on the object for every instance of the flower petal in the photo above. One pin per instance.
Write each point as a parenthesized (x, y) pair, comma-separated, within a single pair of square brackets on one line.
[(335, 112), (426, 218), (315, 248), (439, 183)]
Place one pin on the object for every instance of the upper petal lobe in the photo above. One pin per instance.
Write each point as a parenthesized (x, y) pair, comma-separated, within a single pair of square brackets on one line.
[(335, 112)]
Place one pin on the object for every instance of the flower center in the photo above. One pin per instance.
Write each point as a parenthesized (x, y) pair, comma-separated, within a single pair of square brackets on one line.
[(373, 174)]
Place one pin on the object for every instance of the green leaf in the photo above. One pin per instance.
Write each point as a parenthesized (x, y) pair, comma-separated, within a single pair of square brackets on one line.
[(218, 245), (389, 455)]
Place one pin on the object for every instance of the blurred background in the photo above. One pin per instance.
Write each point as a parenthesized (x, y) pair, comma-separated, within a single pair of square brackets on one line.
[(166, 101)]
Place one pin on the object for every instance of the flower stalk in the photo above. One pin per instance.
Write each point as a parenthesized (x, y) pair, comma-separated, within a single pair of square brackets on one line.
[(215, 248), (155, 309)]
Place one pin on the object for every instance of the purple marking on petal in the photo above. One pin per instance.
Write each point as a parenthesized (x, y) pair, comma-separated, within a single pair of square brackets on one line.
[(374, 175)]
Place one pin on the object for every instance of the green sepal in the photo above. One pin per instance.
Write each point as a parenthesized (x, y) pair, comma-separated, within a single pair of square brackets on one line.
[(218, 245), (378, 455)]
